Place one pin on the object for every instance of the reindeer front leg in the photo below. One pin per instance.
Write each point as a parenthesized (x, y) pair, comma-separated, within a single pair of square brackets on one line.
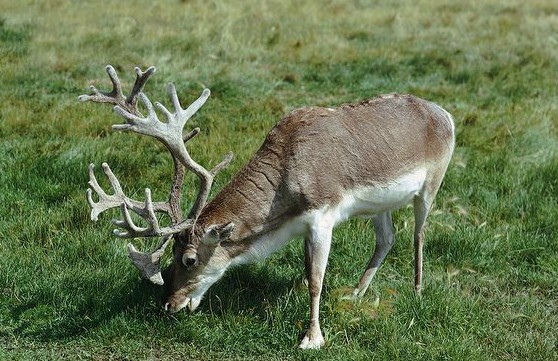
[(316, 251)]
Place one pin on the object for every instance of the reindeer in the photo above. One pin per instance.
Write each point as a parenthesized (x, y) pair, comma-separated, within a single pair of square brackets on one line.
[(316, 168)]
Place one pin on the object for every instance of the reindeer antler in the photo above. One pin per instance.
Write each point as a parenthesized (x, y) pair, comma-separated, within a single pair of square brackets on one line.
[(146, 210), (170, 133)]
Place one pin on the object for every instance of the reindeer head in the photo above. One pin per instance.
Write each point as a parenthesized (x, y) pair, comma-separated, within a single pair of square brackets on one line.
[(199, 261)]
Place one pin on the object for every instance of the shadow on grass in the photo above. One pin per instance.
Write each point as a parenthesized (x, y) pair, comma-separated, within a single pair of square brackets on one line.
[(51, 315), (47, 317), (246, 288)]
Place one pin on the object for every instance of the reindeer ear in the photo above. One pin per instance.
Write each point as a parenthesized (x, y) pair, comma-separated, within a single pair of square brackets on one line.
[(217, 233)]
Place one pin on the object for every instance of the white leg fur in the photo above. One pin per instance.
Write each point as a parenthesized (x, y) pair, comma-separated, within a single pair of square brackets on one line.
[(316, 248)]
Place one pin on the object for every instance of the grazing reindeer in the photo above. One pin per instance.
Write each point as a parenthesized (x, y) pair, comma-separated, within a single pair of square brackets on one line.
[(317, 168)]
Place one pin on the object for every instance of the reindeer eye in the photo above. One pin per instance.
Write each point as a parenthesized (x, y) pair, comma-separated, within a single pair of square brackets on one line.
[(189, 260)]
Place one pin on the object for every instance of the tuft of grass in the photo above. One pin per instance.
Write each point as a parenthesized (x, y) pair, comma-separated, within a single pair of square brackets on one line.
[(67, 290)]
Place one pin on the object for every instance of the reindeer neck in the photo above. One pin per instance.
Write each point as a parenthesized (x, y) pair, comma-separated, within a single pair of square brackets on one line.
[(255, 198)]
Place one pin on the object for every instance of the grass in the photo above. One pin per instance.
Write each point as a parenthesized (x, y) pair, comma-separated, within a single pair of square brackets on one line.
[(67, 290)]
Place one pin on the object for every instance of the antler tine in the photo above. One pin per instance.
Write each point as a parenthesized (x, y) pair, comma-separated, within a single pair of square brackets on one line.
[(183, 115), (222, 165), (149, 263), (191, 134), (141, 79), (116, 96), (116, 86)]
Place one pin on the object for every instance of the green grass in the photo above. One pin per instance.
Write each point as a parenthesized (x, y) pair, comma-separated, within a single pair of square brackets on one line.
[(67, 290)]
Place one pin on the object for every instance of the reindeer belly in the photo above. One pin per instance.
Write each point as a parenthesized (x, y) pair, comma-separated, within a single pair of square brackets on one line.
[(374, 199)]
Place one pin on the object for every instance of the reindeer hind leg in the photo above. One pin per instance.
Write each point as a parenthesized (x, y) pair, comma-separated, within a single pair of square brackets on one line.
[(383, 227), (422, 204)]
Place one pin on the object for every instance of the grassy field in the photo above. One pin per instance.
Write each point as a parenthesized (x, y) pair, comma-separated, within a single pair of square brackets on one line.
[(67, 290)]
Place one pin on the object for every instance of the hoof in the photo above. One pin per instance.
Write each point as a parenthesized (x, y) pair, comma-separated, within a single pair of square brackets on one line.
[(312, 342)]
